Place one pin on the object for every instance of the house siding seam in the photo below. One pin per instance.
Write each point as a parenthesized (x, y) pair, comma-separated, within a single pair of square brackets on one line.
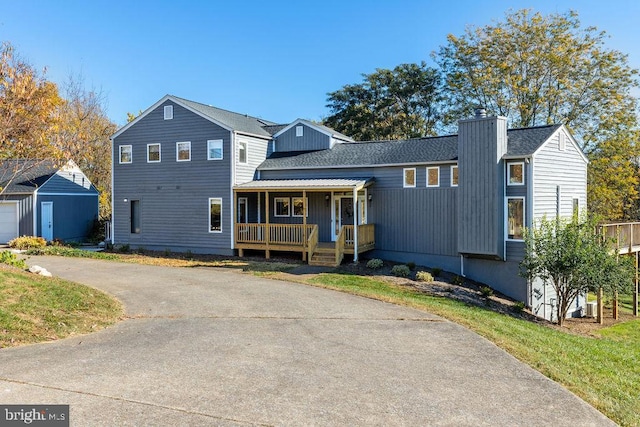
[(180, 190)]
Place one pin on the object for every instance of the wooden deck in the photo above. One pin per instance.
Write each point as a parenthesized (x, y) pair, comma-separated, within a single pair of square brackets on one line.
[(304, 239), (625, 235)]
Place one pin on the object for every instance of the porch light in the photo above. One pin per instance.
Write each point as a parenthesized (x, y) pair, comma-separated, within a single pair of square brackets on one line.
[(326, 199), (126, 200), (370, 197)]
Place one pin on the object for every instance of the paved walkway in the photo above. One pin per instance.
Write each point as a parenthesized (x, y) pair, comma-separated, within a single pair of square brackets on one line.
[(204, 346)]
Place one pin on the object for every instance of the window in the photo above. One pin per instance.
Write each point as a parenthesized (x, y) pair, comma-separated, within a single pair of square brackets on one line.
[(215, 215), (243, 211), (126, 154), (168, 112), (134, 213), (515, 173), (153, 153), (454, 176), (242, 152), (409, 177), (562, 141), (281, 206), (576, 207), (214, 149), (183, 151), (299, 131), (433, 176), (298, 206), (515, 218)]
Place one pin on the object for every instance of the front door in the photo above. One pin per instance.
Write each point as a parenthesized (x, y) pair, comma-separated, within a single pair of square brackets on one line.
[(243, 210), (343, 214), (46, 220)]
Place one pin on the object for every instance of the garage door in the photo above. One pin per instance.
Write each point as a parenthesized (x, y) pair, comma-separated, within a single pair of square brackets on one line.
[(8, 221)]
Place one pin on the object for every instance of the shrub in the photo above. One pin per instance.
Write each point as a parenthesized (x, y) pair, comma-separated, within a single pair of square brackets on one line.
[(124, 248), (400, 271), (374, 263), (10, 258), (519, 306), (411, 265), (436, 271), (486, 291), (458, 280), (167, 252), (424, 276), (27, 242)]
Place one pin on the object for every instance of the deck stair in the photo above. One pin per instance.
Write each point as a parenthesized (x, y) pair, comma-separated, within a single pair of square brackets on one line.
[(324, 255)]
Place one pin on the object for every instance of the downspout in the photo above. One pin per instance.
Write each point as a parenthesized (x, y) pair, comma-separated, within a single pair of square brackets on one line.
[(530, 219), (462, 265), (35, 212), (355, 225)]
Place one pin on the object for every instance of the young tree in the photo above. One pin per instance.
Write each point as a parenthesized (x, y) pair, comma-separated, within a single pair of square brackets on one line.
[(27, 116), (574, 259), (388, 104)]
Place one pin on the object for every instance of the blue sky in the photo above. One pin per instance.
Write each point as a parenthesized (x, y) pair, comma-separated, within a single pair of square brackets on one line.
[(271, 59)]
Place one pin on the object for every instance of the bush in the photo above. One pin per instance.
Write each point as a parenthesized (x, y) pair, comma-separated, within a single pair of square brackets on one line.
[(411, 265), (400, 271), (27, 242), (10, 258), (124, 249), (519, 306), (457, 280), (486, 291), (375, 264), (424, 276), (436, 271)]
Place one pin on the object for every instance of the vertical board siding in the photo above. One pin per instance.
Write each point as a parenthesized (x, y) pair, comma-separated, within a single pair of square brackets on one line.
[(256, 153), (481, 145), (553, 168), (68, 182), (25, 212), (310, 140), (174, 196), (73, 216)]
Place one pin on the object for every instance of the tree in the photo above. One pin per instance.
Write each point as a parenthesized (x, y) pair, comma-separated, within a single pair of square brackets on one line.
[(85, 130), (388, 104), (574, 259), (27, 116)]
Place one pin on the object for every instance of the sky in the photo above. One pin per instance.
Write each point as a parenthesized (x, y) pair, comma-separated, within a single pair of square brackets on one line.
[(271, 59)]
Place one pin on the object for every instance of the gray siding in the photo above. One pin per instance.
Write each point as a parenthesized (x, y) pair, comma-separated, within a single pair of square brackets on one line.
[(68, 182), (311, 140), (25, 212), (73, 216), (256, 153), (481, 144), (174, 196), (553, 168)]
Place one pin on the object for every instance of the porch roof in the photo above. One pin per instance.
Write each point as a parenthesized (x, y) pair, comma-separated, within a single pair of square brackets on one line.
[(322, 184)]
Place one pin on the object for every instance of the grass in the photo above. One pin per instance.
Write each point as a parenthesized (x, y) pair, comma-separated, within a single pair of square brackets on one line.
[(604, 372), (35, 309)]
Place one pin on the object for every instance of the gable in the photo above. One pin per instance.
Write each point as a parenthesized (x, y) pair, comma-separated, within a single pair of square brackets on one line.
[(301, 137)]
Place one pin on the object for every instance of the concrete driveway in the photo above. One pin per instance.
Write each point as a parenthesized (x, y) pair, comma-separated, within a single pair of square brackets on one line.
[(204, 346)]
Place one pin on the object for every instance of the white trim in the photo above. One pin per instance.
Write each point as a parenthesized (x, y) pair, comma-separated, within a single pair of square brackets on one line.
[(299, 131), (451, 168), (404, 178), (168, 112), (304, 204), (506, 216), (211, 199), (512, 184), (34, 206), (562, 141), (178, 151), (221, 141), (571, 140), (430, 168), (275, 207), (246, 152), (42, 217), (159, 152), (232, 179), (120, 147)]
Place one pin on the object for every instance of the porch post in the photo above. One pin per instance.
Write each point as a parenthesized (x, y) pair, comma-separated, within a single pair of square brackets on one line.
[(355, 225), (304, 225), (235, 223), (267, 253), (635, 294)]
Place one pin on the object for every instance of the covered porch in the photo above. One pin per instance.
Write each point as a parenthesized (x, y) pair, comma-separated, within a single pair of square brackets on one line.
[(323, 219)]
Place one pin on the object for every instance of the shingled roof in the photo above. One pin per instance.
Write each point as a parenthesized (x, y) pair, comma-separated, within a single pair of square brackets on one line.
[(521, 142), (28, 175)]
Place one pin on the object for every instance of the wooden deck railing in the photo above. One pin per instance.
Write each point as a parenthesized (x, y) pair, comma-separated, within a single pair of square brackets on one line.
[(625, 235), (340, 242), (277, 234), (313, 241), (366, 236)]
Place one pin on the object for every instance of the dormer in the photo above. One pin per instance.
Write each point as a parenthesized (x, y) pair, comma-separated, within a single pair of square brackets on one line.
[(303, 135)]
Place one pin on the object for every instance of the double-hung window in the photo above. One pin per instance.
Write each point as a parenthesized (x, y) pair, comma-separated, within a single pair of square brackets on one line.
[(454, 176), (409, 177), (126, 154), (299, 206), (433, 176), (281, 206), (153, 153), (242, 152), (214, 149), (183, 151)]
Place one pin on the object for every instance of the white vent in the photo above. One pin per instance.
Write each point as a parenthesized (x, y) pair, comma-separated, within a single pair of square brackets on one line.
[(168, 112), (299, 130)]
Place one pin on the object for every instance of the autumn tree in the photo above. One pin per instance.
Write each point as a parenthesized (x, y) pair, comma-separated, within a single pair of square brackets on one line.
[(388, 104), (27, 116), (539, 70), (85, 129)]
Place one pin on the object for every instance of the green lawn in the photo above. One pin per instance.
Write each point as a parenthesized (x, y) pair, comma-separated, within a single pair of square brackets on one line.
[(604, 372), (35, 308)]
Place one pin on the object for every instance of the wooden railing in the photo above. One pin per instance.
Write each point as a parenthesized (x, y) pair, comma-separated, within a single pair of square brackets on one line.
[(625, 235), (277, 234), (340, 241), (313, 241), (366, 236)]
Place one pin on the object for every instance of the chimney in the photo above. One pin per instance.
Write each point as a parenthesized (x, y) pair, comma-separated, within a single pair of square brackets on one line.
[(480, 113)]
